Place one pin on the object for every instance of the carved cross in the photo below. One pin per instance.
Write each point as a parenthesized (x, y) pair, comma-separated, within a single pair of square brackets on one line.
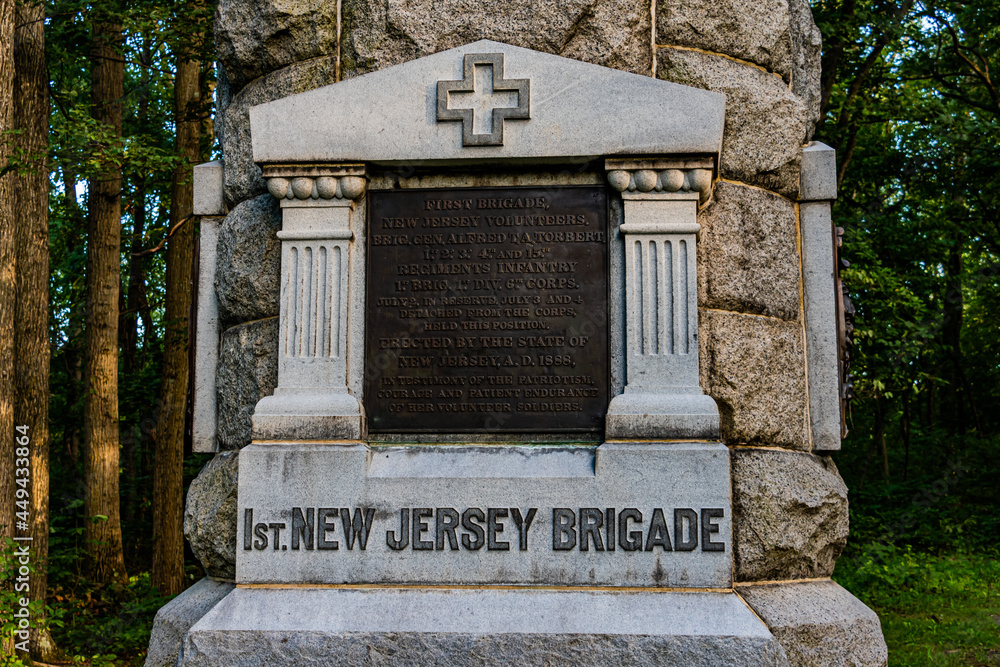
[(483, 100)]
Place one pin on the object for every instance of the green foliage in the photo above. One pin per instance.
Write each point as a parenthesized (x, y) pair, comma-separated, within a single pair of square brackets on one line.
[(81, 148), (917, 129), (935, 609), (108, 624), (923, 554), (94, 625)]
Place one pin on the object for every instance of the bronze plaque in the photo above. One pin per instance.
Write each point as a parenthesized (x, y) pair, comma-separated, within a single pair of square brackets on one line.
[(487, 310)]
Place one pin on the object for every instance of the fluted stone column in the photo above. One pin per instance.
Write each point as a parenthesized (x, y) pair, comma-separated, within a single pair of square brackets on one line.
[(312, 400), (663, 398)]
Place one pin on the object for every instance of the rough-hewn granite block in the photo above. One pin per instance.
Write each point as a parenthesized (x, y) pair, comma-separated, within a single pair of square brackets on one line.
[(819, 624), (248, 262), (257, 37), (779, 35), (754, 367), (248, 371), (242, 176), (748, 258), (766, 123), (210, 515), (613, 33), (791, 514)]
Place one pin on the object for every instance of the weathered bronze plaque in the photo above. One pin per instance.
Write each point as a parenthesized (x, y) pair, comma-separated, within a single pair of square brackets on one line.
[(487, 310)]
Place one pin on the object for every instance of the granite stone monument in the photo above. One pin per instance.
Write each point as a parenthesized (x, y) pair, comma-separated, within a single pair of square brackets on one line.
[(517, 342)]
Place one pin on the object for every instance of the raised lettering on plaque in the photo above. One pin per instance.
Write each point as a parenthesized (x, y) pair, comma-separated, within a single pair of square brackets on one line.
[(487, 310)]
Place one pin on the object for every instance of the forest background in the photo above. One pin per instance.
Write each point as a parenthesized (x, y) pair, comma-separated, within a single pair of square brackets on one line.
[(106, 104)]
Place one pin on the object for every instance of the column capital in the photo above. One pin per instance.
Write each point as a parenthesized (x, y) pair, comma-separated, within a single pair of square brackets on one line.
[(665, 177), (323, 184)]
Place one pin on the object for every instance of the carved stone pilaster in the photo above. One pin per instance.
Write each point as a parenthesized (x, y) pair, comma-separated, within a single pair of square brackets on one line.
[(663, 398), (312, 400)]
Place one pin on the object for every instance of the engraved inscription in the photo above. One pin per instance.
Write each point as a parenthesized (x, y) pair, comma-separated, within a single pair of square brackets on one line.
[(487, 310), (496, 528)]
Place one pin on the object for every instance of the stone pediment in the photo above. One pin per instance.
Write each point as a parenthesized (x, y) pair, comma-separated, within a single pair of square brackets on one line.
[(414, 113)]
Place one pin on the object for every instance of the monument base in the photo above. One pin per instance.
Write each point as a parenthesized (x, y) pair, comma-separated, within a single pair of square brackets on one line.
[(462, 626)]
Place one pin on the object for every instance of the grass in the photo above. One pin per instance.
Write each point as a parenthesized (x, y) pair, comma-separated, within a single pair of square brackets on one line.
[(936, 610)]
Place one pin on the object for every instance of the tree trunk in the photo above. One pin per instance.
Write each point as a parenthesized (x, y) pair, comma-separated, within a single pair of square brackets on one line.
[(101, 506), (168, 483), (880, 410), (128, 340), (128, 333), (134, 294), (904, 431), (73, 352), (31, 339), (7, 289)]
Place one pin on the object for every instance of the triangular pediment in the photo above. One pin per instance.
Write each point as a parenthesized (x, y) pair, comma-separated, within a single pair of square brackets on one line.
[(575, 110)]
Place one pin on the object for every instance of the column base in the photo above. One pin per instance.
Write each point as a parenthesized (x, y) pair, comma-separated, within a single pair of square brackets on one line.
[(662, 416), (449, 626), (296, 414)]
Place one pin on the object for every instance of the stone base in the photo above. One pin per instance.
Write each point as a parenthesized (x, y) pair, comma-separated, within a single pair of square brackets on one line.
[(176, 617), (404, 490), (662, 416), (819, 624), (442, 626), (305, 415)]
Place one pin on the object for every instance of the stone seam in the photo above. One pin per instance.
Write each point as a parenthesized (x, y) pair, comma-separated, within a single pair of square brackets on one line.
[(770, 448), (652, 37), (340, 27), (344, 442), (802, 311), (747, 605), (259, 319), (727, 57), (325, 56), (736, 312), (755, 187), (479, 587), (777, 582)]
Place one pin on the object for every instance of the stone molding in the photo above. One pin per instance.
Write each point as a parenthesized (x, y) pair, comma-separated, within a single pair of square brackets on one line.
[(662, 176), (207, 201), (208, 182), (306, 182)]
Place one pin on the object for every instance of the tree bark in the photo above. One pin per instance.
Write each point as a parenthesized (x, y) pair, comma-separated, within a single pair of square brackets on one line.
[(133, 294), (31, 338), (168, 483), (72, 350), (7, 289), (101, 506)]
